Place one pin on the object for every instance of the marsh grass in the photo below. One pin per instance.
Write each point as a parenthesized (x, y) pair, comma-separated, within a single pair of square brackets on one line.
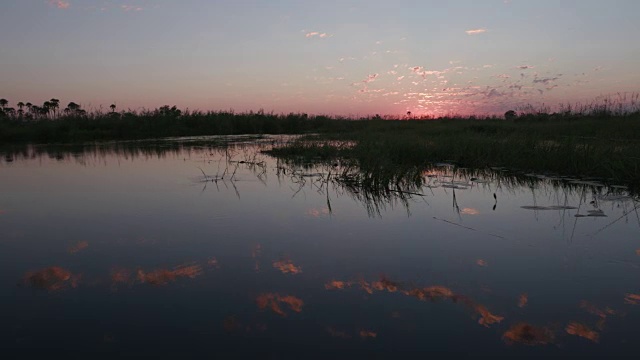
[(588, 146)]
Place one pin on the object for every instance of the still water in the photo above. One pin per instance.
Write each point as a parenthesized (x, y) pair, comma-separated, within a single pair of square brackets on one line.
[(204, 247)]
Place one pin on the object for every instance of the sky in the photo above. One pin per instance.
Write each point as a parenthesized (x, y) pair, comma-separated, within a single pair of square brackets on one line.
[(334, 57)]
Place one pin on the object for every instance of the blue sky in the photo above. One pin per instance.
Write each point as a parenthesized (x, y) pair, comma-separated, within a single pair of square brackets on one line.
[(342, 57)]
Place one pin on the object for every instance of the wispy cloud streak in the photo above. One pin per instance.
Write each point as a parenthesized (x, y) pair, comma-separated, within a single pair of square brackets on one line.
[(476, 31), (317, 34)]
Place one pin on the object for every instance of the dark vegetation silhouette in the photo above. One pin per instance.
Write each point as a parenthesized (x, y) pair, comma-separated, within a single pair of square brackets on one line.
[(599, 139)]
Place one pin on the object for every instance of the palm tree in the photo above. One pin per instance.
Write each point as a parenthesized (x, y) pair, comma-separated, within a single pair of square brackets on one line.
[(46, 108), (44, 111), (35, 110), (3, 103), (113, 107), (73, 106), (55, 104)]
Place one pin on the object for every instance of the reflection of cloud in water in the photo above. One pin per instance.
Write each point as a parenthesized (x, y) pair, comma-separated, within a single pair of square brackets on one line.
[(528, 334), (431, 293), (287, 267), (156, 277), (313, 212), (481, 262), (593, 309), (523, 300), (632, 299), (582, 330), (165, 276), (273, 301), (52, 278), (486, 317), (337, 285), (365, 286), (469, 211), (213, 262), (385, 284), (368, 334), (440, 292), (78, 247)]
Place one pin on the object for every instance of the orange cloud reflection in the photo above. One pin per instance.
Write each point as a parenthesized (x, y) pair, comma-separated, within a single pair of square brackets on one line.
[(313, 212), (272, 301), (487, 318), (52, 278), (527, 334), (164, 276), (523, 300), (582, 330), (368, 334), (287, 267), (365, 286), (481, 262), (78, 247), (632, 299), (469, 211), (431, 293), (385, 284), (593, 309), (337, 285)]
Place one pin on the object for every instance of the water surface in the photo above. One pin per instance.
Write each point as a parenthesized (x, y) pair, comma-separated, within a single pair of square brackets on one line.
[(201, 247)]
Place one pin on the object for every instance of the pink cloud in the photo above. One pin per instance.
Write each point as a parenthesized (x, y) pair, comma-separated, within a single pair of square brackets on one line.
[(316, 34), (59, 4), (476, 31), (371, 78)]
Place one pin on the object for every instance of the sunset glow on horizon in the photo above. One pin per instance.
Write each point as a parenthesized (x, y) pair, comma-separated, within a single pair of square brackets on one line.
[(337, 57)]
